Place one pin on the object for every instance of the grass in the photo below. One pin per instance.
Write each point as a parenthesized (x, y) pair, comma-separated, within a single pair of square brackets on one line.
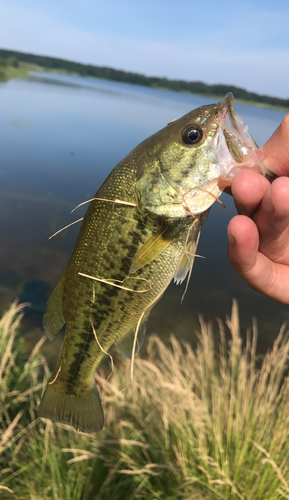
[(9, 71), (206, 424)]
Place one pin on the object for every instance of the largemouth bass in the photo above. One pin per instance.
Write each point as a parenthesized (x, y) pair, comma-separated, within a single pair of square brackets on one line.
[(137, 235)]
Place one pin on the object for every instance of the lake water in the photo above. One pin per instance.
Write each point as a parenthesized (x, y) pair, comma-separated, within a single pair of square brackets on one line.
[(60, 136)]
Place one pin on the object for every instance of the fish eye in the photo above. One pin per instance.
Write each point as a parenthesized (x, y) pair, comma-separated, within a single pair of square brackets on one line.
[(192, 135)]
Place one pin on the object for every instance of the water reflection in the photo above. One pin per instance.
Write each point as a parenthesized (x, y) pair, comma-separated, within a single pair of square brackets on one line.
[(58, 143)]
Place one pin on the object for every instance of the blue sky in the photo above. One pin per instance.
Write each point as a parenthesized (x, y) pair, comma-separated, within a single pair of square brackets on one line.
[(241, 43)]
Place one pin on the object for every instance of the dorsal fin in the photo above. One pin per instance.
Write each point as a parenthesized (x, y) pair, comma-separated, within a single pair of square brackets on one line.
[(152, 249), (53, 319), (125, 345)]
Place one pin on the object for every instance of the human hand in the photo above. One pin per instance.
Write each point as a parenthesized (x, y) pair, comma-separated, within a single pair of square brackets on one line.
[(258, 238)]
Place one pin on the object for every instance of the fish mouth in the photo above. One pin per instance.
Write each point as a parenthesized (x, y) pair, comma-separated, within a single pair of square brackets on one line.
[(239, 142), (235, 147), (234, 150)]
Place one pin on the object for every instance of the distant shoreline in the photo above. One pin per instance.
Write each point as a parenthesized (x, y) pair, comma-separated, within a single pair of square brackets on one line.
[(15, 64)]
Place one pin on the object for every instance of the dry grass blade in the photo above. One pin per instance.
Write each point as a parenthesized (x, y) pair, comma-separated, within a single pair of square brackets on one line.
[(7, 355), (269, 460), (36, 348), (84, 455), (66, 227), (8, 325), (134, 345), (120, 202), (6, 488), (103, 350), (210, 422), (283, 493), (33, 354), (216, 198), (6, 436), (112, 282), (145, 470)]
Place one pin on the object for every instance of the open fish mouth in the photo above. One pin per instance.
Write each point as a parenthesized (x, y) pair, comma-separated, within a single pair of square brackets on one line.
[(211, 144), (234, 145), (235, 127), (234, 150)]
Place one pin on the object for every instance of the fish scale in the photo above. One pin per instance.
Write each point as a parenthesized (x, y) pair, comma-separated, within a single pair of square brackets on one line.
[(142, 245)]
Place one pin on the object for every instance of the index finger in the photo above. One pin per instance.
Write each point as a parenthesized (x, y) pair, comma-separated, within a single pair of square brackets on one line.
[(248, 188)]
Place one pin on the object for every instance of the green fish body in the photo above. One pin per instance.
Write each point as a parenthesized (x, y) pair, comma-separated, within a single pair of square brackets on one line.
[(127, 253)]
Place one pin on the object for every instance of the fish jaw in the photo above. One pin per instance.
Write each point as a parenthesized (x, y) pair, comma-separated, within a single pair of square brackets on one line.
[(234, 149), (178, 178)]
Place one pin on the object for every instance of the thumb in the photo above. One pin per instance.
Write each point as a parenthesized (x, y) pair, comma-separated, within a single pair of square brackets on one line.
[(275, 152)]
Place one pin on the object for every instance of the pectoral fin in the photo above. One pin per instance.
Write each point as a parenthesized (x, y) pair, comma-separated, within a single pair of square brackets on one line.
[(125, 345), (152, 249), (187, 261), (53, 319)]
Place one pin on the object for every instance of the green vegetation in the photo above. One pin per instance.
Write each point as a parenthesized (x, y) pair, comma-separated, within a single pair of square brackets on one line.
[(196, 87), (13, 68), (206, 424)]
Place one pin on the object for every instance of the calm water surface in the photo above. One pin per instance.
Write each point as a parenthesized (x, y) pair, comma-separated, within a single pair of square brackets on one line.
[(60, 136)]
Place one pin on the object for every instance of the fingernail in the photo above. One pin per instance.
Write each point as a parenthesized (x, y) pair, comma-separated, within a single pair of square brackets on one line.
[(231, 238), (267, 204)]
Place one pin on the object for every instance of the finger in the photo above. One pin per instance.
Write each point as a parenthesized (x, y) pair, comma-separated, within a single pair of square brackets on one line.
[(272, 220), (275, 152), (257, 270), (243, 245), (248, 189)]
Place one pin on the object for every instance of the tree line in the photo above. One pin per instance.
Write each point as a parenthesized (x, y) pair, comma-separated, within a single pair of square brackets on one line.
[(104, 72)]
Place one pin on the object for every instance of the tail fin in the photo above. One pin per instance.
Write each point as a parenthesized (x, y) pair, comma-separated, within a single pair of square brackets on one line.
[(83, 411)]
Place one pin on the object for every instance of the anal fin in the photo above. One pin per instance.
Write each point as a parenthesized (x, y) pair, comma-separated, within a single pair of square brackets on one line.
[(53, 319), (125, 345)]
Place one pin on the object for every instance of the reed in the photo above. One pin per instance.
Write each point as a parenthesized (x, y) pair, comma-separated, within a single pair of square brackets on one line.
[(209, 423)]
